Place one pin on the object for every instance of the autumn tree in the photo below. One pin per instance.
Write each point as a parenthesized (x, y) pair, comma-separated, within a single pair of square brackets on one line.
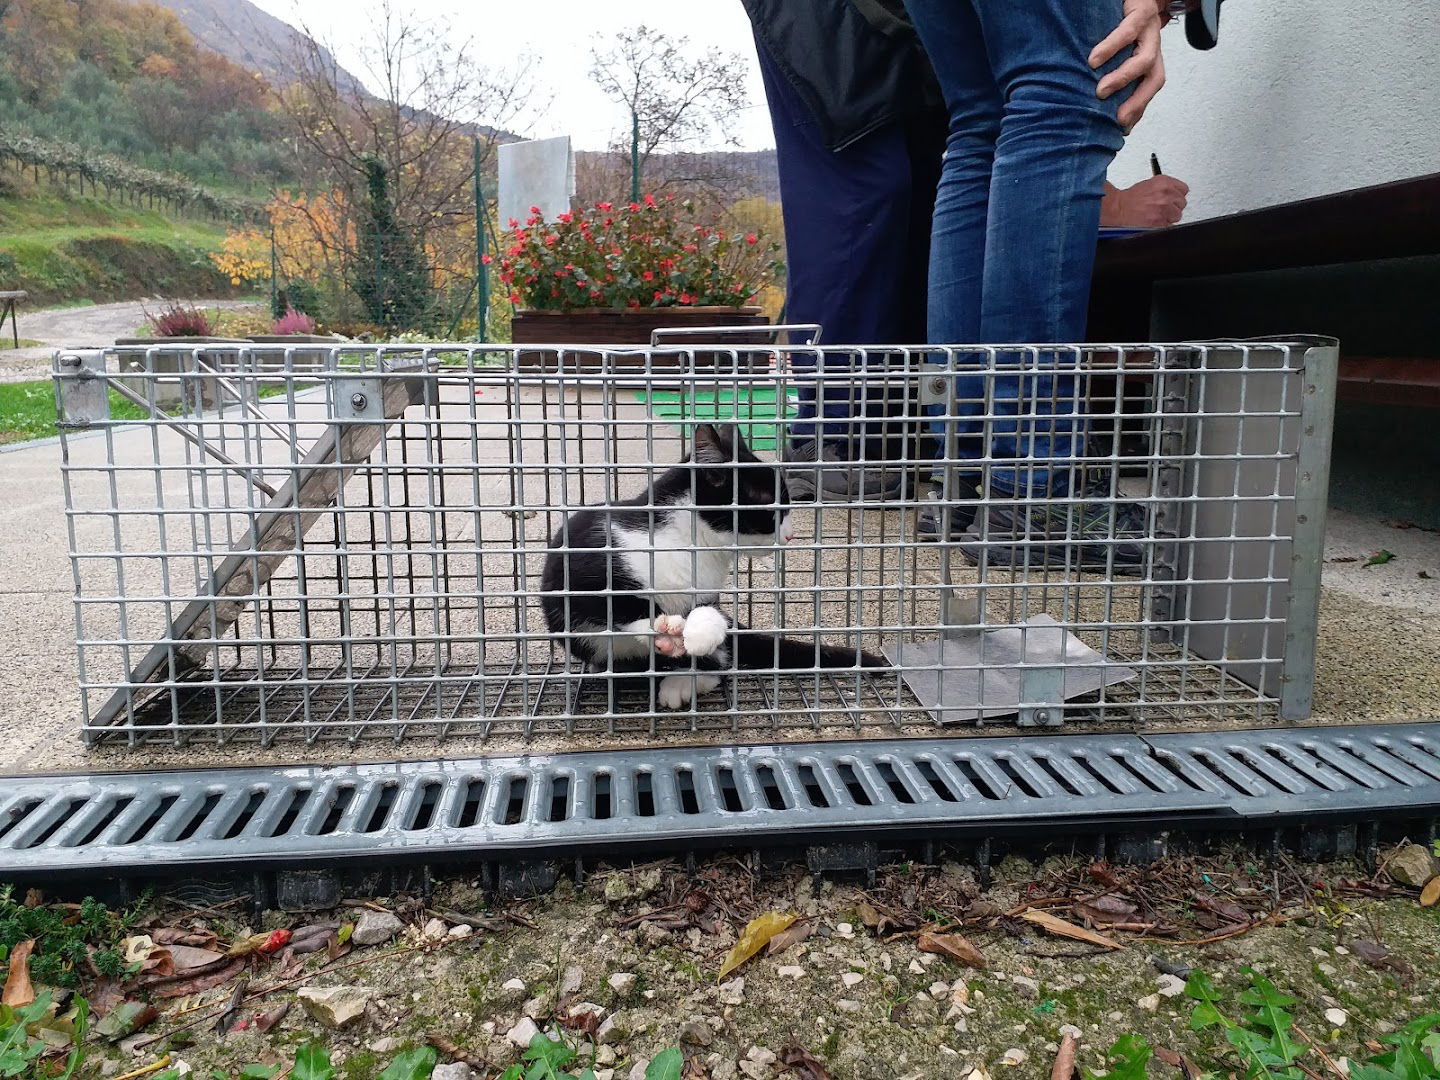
[(677, 97)]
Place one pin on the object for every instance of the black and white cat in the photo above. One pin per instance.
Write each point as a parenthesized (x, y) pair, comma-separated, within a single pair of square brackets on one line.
[(651, 599)]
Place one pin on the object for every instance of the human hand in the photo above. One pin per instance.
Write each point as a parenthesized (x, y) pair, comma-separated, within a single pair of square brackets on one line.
[(1151, 203), (1140, 27)]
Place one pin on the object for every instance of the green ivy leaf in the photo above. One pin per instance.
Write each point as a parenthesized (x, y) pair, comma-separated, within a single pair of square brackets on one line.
[(312, 1062), (1126, 1060), (547, 1058), (666, 1065), (514, 1072), (411, 1065)]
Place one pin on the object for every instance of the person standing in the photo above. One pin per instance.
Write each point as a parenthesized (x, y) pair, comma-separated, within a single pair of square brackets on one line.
[(1037, 111)]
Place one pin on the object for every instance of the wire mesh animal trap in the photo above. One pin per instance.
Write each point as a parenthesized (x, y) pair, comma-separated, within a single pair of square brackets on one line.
[(388, 541)]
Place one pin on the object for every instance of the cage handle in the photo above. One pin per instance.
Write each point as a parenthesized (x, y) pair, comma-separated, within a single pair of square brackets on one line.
[(813, 329)]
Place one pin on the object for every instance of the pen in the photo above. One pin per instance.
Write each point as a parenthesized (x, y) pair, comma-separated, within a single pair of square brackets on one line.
[(1154, 165)]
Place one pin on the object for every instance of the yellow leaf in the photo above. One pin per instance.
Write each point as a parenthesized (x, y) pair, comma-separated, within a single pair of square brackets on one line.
[(1060, 927), (760, 930), (1430, 895)]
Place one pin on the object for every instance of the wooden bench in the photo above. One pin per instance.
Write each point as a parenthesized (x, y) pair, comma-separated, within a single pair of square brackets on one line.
[(1362, 266), (8, 300)]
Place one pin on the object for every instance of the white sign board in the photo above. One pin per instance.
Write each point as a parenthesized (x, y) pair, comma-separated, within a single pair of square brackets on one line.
[(536, 173)]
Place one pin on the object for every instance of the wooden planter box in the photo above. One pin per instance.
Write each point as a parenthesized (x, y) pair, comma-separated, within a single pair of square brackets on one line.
[(632, 327)]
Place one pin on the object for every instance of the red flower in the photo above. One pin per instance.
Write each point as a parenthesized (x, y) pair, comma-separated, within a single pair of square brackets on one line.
[(751, 238), (647, 276), (565, 219), (686, 298), (536, 211), (634, 206), (649, 200), (659, 295), (514, 297), (513, 223), (486, 260), (605, 206)]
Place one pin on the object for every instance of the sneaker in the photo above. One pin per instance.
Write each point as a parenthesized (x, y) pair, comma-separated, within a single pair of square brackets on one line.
[(840, 480), (1102, 536), (958, 515)]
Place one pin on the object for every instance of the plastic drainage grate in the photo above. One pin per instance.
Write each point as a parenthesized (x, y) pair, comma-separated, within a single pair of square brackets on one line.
[(516, 807)]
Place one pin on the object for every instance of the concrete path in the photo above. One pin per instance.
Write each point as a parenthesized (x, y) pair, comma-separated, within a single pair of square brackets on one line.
[(97, 324)]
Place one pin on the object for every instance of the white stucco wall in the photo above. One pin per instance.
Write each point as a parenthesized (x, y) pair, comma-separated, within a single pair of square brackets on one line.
[(1298, 99)]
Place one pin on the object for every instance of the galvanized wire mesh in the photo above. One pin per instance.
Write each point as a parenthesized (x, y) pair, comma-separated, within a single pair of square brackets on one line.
[(341, 543)]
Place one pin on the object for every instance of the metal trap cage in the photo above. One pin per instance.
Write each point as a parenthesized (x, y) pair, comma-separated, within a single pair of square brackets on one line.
[(352, 542)]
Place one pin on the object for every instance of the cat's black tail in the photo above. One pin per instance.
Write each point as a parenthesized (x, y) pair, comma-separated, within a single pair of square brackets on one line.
[(758, 649)]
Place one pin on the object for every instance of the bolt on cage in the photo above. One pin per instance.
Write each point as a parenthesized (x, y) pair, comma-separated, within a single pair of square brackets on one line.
[(336, 543)]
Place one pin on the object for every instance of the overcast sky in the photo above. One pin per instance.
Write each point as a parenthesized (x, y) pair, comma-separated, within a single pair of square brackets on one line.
[(559, 34)]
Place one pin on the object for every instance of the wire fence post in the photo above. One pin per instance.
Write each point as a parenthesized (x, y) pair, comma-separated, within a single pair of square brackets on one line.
[(481, 240), (634, 156)]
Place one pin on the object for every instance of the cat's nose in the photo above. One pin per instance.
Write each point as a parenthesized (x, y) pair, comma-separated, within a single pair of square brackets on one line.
[(787, 533)]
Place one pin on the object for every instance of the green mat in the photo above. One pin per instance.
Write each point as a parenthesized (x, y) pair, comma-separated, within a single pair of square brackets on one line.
[(755, 407)]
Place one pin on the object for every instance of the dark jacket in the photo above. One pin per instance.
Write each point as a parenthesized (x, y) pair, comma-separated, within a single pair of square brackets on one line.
[(857, 64)]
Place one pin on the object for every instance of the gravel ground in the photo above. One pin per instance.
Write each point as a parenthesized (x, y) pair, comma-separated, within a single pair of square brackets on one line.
[(865, 1008)]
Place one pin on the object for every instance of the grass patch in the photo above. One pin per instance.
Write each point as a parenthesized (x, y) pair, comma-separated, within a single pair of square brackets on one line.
[(61, 250), (25, 343), (27, 409)]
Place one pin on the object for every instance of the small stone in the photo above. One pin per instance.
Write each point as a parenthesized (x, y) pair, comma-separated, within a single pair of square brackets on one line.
[(962, 1026), (1028, 987), (1326, 969), (753, 1070), (1336, 1017), (926, 959), (582, 1008), (1115, 1017), (760, 1055), (1070, 1031), (604, 1055), (790, 971), (460, 931), (696, 1034), (845, 930), (648, 995), (523, 1033), (732, 992), (614, 1028), (939, 990), (852, 979), (537, 1008), (1341, 950), (617, 889), (571, 980), (653, 935), (622, 982), (915, 968), (455, 1070), (336, 1006), (1013, 1057), (604, 1074), (724, 1069), (109, 1067), (1410, 865), (1150, 1003), (517, 985), (847, 1005), (1170, 985), (435, 930), (375, 928), (383, 1045)]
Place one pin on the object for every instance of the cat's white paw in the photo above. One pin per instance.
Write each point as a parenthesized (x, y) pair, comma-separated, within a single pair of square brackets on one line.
[(670, 635), (705, 631), (675, 691)]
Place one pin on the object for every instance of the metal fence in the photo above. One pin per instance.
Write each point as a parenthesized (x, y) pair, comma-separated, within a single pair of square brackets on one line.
[(359, 548)]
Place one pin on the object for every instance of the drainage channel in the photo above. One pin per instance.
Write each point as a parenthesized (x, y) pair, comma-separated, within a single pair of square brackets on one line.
[(492, 810)]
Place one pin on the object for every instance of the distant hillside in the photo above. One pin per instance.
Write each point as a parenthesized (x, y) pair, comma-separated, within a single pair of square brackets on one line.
[(730, 174), (249, 36)]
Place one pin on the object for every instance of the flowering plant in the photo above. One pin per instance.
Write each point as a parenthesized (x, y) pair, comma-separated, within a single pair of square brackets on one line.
[(640, 255)]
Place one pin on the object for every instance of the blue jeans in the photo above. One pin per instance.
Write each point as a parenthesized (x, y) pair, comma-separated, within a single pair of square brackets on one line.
[(857, 240), (1017, 216)]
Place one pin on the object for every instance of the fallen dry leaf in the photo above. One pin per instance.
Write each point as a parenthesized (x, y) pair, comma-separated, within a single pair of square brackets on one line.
[(198, 981), (125, 1019), (198, 939), (1064, 1067), (804, 1064), (1108, 908), (756, 935), (1430, 895), (791, 935), (1061, 928), (104, 995), (231, 1016), (187, 957), (953, 946), (1378, 955), (18, 988), (267, 1020)]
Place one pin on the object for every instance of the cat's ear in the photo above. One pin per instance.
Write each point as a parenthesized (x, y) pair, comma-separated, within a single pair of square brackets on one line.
[(711, 447)]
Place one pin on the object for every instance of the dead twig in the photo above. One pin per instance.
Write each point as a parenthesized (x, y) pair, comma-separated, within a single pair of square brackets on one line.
[(1330, 1062), (134, 1074), (454, 1050)]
